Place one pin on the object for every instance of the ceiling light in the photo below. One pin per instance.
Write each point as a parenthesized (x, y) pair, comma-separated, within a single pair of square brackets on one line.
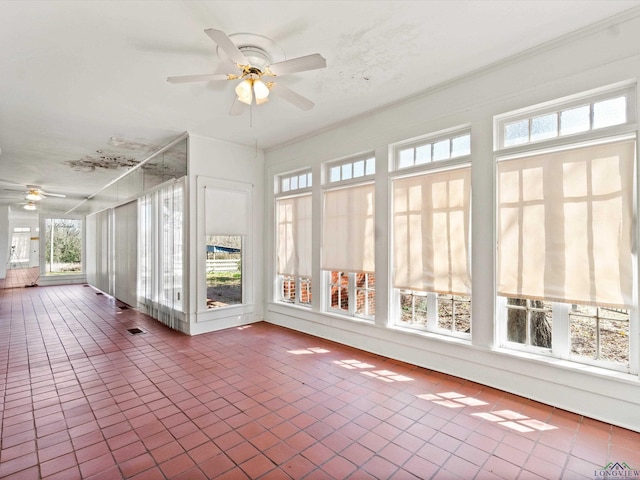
[(30, 206), (250, 86), (33, 195), (261, 91), (243, 90)]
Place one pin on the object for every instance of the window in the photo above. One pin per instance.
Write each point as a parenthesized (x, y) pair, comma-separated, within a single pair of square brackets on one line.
[(294, 249), (224, 270), (295, 181), (567, 118), (63, 246), (226, 227), (160, 250), (436, 149), (351, 169), (348, 240), (565, 229), (431, 232)]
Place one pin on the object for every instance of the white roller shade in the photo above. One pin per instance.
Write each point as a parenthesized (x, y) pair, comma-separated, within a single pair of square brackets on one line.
[(431, 232), (227, 211), (348, 243), (565, 225), (294, 236)]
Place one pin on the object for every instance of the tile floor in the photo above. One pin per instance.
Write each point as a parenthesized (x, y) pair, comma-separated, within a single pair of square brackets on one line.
[(80, 397)]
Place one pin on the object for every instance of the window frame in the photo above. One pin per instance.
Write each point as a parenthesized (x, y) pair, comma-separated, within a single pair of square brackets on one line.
[(397, 172), (43, 244), (328, 166), (561, 324), (329, 185), (431, 139), (283, 178), (280, 194), (567, 103)]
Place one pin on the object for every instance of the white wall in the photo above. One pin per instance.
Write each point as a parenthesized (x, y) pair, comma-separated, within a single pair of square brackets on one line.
[(213, 162), (591, 59)]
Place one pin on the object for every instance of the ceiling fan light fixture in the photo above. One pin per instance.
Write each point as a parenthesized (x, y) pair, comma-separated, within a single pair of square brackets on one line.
[(30, 206), (261, 91), (33, 195), (244, 91)]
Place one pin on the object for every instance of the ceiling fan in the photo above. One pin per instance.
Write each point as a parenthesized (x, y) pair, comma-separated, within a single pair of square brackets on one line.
[(253, 62), (35, 194)]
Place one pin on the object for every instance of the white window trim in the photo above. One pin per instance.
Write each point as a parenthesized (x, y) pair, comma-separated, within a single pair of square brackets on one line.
[(291, 192), (586, 98), (328, 184), (350, 313), (448, 134)]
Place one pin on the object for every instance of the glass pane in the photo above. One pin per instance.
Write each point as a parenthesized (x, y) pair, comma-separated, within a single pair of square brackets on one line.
[(309, 177), (406, 158), (294, 183), (347, 171), (583, 336), (288, 289), (302, 181), (516, 133), (339, 284), (423, 154), (305, 291), (614, 341), (540, 326), (544, 127), (574, 120), (358, 169), (441, 150), (420, 309), (285, 185), (461, 146), (334, 174), (371, 166), (224, 270), (445, 312), (406, 308), (517, 325), (610, 112), (462, 307)]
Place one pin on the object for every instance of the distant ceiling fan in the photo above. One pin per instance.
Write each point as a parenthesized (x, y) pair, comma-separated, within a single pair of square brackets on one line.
[(253, 63), (35, 194)]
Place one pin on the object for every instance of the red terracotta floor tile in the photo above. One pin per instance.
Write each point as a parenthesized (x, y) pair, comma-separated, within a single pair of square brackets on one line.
[(82, 398)]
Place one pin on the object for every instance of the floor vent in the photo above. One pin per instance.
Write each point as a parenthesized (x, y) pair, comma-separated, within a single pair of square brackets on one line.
[(123, 307), (135, 331), (99, 293)]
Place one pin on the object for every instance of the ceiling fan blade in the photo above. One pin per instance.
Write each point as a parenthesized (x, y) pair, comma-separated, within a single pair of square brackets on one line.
[(237, 108), (300, 64), (47, 194), (227, 46), (198, 78), (292, 97)]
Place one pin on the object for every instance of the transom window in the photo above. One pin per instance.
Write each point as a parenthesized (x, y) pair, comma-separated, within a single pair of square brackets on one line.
[(359, 167), (434, 149), (567, 118), (293, 182)]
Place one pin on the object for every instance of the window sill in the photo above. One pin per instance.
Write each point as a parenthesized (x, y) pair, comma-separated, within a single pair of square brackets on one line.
[(592, 370)]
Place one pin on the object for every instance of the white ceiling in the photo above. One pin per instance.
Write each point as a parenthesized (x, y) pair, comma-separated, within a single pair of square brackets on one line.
[(81, 77)]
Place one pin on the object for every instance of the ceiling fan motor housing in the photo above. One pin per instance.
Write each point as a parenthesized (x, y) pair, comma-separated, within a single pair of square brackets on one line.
[(258, 57)]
